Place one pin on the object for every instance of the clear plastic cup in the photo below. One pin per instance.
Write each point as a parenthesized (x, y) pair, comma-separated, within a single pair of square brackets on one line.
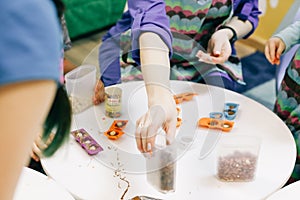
[(161, 168), (80, 84), (237, 158), (113, 102)]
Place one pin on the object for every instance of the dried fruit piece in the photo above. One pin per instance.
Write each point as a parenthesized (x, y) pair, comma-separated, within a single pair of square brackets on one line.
[(178, 110), (178, 99), (179, 122), (187, 96)]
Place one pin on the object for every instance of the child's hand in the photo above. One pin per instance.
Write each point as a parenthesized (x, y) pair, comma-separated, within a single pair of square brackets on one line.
[(204, 57), (219, 48), (273, 50), (99, 93), (161, 113), (35, 153), (38, 146)]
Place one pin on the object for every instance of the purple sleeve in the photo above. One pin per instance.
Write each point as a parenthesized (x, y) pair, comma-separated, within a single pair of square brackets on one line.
[(149, 16), (109, 51), (121, 26), (247, 10), (142, 16)]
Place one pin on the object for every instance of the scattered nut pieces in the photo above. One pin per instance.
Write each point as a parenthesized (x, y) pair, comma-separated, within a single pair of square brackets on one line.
[(237, 167)]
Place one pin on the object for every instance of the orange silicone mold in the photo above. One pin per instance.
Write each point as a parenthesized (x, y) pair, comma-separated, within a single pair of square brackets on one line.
[(211, 123), (113, 134), (119, 124)]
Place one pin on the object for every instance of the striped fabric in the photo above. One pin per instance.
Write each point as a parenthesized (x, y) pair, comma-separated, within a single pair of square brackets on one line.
[(192, 23), (287, 106)]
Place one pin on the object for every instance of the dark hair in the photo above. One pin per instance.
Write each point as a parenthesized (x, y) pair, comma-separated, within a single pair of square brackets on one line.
[(60, 7), (58, 119)]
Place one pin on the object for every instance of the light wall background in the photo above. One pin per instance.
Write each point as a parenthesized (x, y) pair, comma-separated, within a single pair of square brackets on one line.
[(276, 14)]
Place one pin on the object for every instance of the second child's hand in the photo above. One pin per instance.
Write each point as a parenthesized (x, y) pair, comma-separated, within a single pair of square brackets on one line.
[(99, 93)]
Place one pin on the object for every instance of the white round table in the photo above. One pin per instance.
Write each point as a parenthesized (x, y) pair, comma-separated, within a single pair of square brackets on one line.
[(290, 192), (93, 177), (36, 186)]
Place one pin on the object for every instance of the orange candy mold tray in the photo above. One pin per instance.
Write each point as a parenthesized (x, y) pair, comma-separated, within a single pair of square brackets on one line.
[(187, 96), (116, 129), (113, 134), (119, 124), (212, 123)]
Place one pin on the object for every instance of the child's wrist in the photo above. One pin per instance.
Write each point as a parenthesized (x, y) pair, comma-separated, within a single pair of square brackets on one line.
[(230, 32)]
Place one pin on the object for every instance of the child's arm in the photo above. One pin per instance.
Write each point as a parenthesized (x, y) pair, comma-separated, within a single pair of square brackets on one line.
[(142, 16), (149, 16), (161, 112), (152, 37), (20, 123), (290, 35), (109, 57)]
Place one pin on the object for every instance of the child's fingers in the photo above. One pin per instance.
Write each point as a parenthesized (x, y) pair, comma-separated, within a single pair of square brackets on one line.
[(279, 50), (267, 54), (99, 93), (270, 52), (204, 57), (222, 57), (273, 50), (35, 157), (35, 152)]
